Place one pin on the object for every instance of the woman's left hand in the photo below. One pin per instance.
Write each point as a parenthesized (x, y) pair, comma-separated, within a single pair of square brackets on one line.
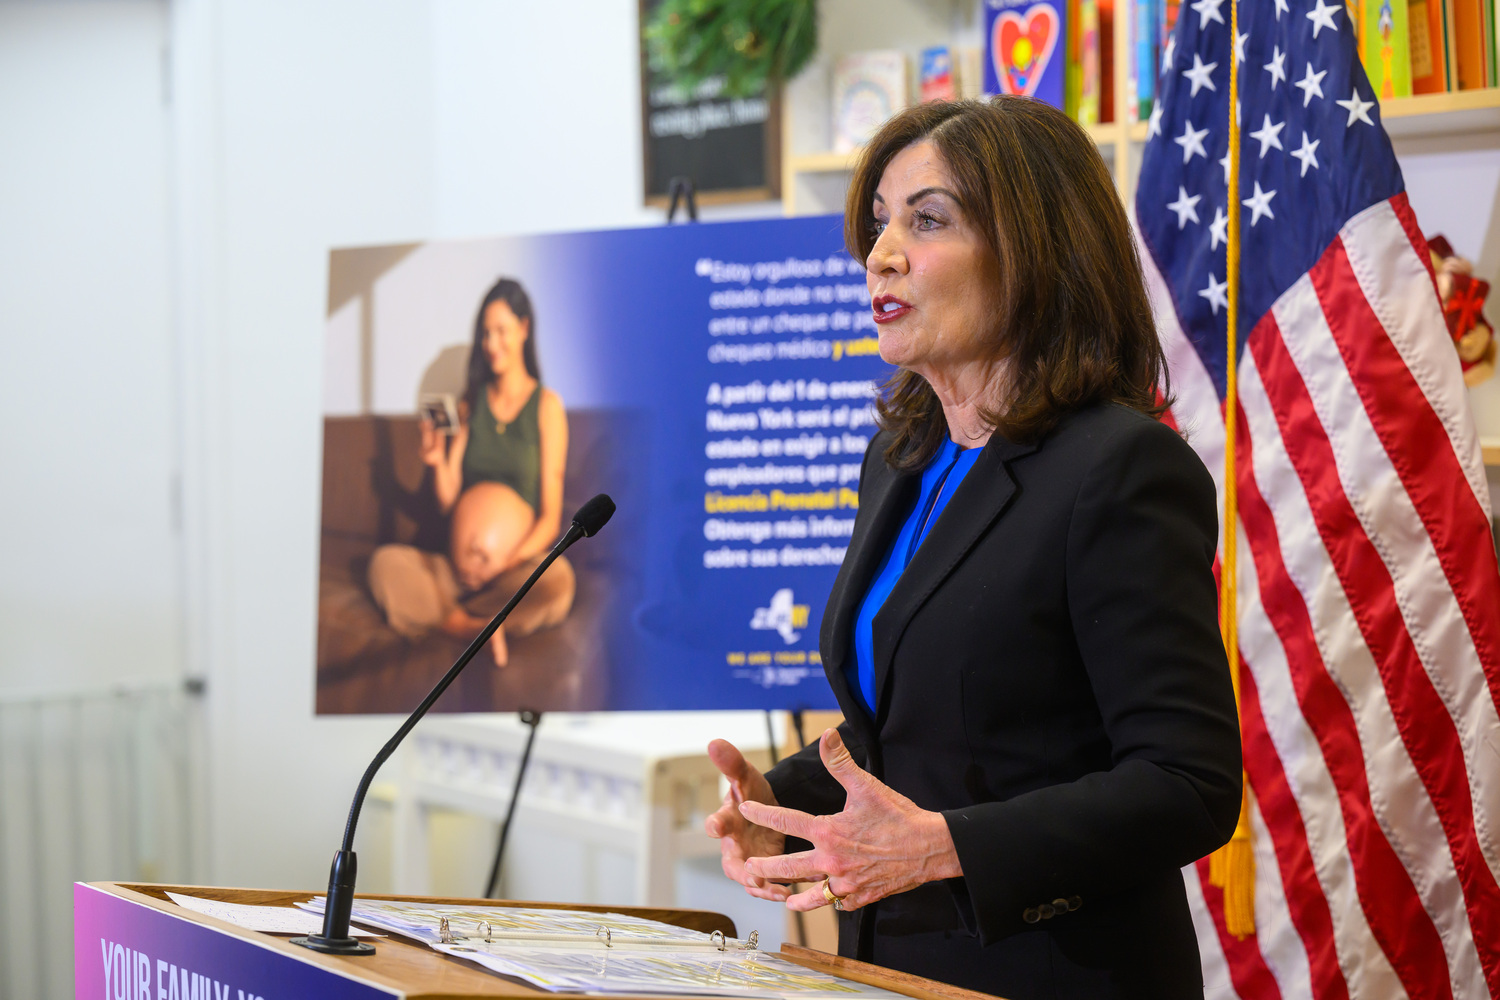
[(881, 843)]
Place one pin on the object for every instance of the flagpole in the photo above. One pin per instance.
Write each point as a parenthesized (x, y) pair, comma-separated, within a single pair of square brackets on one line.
[(1232, 867)]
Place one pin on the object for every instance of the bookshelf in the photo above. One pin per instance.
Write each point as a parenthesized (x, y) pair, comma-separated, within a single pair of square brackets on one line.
[(814, 179)]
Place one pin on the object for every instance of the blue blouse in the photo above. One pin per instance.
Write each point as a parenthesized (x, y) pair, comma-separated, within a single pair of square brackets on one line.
[(939, 481)]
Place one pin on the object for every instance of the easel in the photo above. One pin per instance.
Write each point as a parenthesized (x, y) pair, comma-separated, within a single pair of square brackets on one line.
[(531, 720)]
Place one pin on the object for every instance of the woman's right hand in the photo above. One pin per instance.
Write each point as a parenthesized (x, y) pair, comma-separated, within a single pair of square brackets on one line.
[(739, 839), (433, 451)]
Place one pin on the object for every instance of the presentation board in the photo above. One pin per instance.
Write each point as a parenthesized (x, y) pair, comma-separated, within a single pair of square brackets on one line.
[(715, 379)]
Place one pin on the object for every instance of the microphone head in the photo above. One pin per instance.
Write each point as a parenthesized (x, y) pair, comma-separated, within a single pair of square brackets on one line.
[(595, 514)]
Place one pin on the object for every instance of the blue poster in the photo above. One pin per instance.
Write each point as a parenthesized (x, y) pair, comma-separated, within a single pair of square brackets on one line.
[(715, 379)]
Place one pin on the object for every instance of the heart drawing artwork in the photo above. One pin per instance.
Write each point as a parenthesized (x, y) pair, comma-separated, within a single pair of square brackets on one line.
[(1021, 46)]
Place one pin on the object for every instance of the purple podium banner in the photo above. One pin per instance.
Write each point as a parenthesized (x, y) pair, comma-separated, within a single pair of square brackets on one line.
[(124, 950)]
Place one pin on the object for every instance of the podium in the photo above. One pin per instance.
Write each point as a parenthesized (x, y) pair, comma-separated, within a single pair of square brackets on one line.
[(131, 941)]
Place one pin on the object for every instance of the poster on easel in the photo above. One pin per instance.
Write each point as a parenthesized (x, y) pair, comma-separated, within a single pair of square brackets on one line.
[(716, 380)]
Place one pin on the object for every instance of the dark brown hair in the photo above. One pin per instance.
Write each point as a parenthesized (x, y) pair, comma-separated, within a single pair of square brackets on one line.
[(511, 292), (1074, 322)]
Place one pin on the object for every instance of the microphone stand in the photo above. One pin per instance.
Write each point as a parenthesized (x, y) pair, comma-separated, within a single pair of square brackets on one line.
[(335, 939)]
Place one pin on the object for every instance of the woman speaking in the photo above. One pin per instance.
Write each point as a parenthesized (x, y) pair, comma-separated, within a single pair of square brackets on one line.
[(1040, 728)]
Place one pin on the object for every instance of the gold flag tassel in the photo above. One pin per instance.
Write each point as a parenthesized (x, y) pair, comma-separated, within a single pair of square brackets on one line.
[(1232, 867)]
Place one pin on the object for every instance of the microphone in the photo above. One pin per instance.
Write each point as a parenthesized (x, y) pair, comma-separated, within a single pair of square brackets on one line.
[(335, 939)]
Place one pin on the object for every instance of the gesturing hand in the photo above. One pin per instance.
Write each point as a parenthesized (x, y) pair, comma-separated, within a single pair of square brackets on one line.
[(881, 843), (740, 839)]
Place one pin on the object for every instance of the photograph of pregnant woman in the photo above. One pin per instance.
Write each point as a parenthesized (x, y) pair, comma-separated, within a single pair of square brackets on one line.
[(450, 469), (498, 475)]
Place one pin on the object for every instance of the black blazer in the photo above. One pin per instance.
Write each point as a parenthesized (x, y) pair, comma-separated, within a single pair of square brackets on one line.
[(1051, 678)]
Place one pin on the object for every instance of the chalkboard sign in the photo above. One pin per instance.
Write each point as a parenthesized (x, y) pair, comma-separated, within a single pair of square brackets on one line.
[(729, 147)]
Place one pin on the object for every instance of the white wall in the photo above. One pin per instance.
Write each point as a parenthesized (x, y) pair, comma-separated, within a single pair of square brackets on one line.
[(88, 550)]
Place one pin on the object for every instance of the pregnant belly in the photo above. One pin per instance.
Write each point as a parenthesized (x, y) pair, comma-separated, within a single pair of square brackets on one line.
[(489, 523)]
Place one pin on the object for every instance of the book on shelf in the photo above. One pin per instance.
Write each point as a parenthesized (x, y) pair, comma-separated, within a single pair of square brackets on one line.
[(1467, 44), (937, 80), (1427, 36), (868, 87), (1083, 61), (1025, 45), (1107, 60), (1385, 48)]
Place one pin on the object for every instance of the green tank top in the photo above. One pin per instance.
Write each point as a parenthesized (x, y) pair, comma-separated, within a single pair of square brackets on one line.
[(511, 457)]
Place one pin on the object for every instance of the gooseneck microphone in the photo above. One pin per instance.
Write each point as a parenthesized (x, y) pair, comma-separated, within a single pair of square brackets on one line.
[(335, 939)]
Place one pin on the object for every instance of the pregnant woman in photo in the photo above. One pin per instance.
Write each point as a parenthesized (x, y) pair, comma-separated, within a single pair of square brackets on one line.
[(499, 478)]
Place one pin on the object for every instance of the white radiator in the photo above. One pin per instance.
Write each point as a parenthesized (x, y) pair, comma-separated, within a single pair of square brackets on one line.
[(101, 784)]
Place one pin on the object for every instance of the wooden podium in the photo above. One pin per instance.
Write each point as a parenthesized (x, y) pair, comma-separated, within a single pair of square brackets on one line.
[(131, 941)]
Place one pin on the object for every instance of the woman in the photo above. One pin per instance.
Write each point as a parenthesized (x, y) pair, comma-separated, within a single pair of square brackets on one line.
[(499, 477), (1040, 728)]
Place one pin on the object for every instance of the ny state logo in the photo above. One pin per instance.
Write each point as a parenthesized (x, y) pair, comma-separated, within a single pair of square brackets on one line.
[(783, 616)]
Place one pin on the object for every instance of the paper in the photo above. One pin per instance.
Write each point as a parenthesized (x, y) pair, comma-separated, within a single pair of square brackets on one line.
[(751, 974), (268, 919), (580, 951), (422, 921)]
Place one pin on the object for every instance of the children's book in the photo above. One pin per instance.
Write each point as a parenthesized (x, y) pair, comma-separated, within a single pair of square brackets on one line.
[(868, 87), (1025, 44), (938, 79), (1467, 41), (1429, 60), (1385, 48), (1086, 106)]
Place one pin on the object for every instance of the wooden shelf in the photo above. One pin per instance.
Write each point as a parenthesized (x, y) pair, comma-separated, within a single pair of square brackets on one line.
[(824, 163), (1442, 114), (1490, 447)]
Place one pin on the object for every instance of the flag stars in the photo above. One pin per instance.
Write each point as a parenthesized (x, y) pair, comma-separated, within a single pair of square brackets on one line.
[(1307, 153), (1208, 10), (1358, 110), (1185, 206), (1199, 74), (1154, 127), (1269, 135), (1166, 57), (1217, 293), (1259, 204), (1191, 141), (1321, 17), (1225, 164), (1281, 8), (1277, 66), (1218, 230), (1311, 84), (1239, 48)]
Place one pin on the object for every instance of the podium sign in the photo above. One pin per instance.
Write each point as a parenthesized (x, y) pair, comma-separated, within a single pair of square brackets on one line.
[(130, 950)]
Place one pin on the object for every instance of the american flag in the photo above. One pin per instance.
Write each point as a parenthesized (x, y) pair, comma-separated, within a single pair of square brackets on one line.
[(1369, 599)]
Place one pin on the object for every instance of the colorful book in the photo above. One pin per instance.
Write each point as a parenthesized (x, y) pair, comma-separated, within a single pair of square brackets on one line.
[(1146, 42), (1386, 49), (1086, 110), (1025, 45), (868, 87), (1429, 60), (1107, 60), (937, 81), (1467, 44)]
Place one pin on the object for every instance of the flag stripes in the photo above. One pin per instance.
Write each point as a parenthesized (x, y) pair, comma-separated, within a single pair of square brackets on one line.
[(1370, 893), (1423, 722), (1363, 647)]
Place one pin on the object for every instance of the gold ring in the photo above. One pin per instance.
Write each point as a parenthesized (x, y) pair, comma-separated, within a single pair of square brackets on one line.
[(836, 901)]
